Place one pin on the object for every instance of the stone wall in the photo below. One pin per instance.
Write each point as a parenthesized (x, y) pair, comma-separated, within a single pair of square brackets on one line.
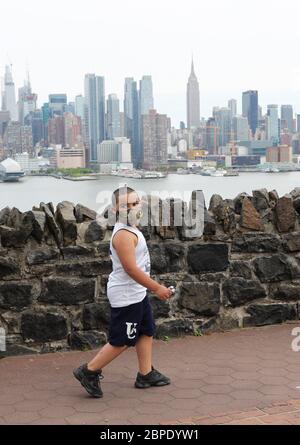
[(54, 265)]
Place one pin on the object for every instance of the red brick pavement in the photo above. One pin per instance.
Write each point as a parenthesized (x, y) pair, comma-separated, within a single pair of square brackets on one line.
[(279, 413), (248, 376)]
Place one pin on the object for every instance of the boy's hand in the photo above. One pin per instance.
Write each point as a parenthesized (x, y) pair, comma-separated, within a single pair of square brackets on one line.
[(163, 293)]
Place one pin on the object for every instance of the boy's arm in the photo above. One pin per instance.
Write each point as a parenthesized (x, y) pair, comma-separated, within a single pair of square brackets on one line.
[(125, 242)]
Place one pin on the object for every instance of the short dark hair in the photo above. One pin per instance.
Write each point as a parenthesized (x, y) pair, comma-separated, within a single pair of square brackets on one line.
[(120, 192)]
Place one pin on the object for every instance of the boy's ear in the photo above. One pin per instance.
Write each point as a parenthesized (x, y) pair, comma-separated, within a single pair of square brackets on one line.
[(113, 209)]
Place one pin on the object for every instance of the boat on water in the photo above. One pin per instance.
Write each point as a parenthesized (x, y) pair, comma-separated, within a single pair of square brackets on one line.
[(183, 171), (207, 171), (272, 170), (10, 171), (213, 172), (127, 174), (135, 174), (153, 175), (218, 173), (232, 173)]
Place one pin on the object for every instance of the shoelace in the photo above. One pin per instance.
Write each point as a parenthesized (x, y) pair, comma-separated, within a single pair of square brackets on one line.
[(100, 376), (97, 376), (156, 373), (96, 379)]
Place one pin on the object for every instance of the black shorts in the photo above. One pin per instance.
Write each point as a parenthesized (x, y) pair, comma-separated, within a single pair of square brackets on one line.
[(128, 323)]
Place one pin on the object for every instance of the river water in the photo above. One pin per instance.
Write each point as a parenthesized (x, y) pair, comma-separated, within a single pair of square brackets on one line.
[(30, 191)]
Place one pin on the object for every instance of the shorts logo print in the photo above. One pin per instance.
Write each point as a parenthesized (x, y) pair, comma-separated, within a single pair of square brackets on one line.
[(131, 330)]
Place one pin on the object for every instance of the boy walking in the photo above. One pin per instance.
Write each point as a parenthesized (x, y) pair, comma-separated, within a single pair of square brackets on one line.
[(131, 323)]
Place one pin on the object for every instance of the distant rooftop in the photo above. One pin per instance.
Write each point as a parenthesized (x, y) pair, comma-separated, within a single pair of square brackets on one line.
[(10, 166)]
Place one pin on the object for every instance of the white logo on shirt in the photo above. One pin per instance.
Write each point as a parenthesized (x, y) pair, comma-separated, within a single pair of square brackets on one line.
[(131, 330)]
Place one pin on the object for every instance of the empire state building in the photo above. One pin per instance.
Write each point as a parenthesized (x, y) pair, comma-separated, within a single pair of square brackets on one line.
[(193, 101)]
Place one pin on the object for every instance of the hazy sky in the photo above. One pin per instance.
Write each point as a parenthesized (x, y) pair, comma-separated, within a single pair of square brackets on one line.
[(237, 45)]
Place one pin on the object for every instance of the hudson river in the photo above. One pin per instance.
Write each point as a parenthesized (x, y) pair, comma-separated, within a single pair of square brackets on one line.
[(31, 191)]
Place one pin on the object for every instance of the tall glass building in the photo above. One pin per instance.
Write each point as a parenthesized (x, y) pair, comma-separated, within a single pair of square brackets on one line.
[(272, 124), (113, 117), (146, 95), (287, 117), (94, 94), (57, 104), (223, 119), (132, 121), (250, 109)]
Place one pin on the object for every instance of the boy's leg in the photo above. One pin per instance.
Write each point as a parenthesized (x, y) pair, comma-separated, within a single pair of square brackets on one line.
[(144, 353), (90, 374), (147, 375), (105, 356)]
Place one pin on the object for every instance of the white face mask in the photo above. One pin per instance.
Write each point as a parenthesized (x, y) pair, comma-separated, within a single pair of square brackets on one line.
[(130, 216)]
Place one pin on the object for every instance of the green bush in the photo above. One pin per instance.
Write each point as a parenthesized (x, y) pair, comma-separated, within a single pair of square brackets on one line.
[(75, 171)]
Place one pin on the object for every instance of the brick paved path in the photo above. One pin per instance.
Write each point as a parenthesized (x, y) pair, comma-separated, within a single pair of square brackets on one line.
[(279, 413), (244, 376)]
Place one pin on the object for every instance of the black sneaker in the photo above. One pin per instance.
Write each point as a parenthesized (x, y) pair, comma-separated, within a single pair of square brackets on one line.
[(90, 380), (154, 378)]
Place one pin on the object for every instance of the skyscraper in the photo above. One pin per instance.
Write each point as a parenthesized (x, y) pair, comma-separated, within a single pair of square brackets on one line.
[(122, 124), (240, 128), (136, 133), (57, 104), (4, 120), (232, 105), (91, 117), (154, 138), (35, 120), (100, 89), (56, 130), (212, 136), (9, 97), (128, 103), (223, 118), (27, 100), (287, 116), (73, 133), (26, 139), (132, 121), (272, 124), (46, 117), (79, 106), (70, 108), (113, 117), (298, 123), (80, 111), (12, 136), (193, 100), (250, 109), (18, 138), (94, 94), (146, 95), (128, 107)]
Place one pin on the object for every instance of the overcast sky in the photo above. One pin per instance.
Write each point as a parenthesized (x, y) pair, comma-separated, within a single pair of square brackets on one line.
[(237, 45)]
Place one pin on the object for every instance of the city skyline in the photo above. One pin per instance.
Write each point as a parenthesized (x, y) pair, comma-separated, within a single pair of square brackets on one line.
[(237, 103), (157, 39)]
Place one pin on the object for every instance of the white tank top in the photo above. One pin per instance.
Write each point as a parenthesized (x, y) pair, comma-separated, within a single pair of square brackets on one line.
[(122, 290)]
